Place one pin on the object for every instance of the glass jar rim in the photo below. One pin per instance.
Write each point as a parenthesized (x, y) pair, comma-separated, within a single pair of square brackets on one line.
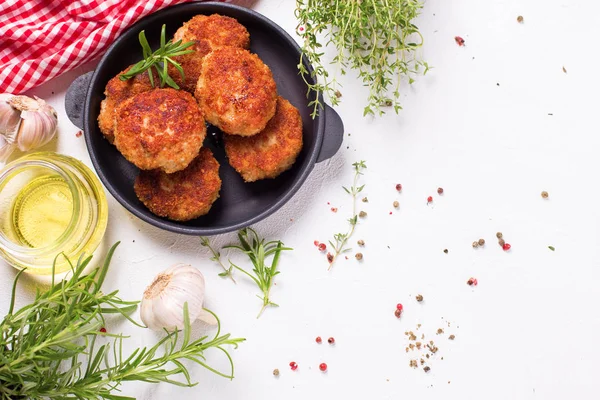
[(14, 168)]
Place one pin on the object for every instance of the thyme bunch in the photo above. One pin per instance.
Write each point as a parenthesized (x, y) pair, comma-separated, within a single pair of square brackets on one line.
[(372, 37), (341, 239), (159, 59), (49, 349)]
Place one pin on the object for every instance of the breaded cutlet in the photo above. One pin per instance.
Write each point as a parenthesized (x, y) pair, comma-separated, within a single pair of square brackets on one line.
[(272, 151), (208, 33), (236, 91), (116, 92), (162, 128), (183, 195)]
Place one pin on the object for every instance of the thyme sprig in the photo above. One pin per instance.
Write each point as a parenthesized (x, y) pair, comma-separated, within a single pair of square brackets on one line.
[(49, 348), (159, 60), (216, 257), (372, 37), (258, 250), (341, 239)]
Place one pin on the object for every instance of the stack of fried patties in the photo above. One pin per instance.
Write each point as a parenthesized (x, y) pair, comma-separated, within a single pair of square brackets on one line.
[(161, 131)]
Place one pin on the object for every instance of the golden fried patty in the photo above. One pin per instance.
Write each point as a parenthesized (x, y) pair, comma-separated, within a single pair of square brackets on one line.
[(273, 150), (162, 128), (183, 195), (116, 92), (207, 33), (236, 91)]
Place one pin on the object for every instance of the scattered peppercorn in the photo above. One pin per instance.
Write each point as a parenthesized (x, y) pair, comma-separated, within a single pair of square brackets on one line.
[(419, 297), (361, 242), (545, 194), (322, 247), (331, 340), (399, 187), (103, 330), (520, 19), (362, 214), (429, 199), (276, 372), (451, 337), (318, 339), (481, 242), (396, 204), (564, 70), (359, 256), (440, 190), (459, 41), (446, 251), (293, 366), (501, 242), (338, 94), (365, 200), (78, 134), (316, 242), (472, 282), (499, 235), (398, 313), (506, 247), (323, 367), (334, 209), (330, 257), (475, 244), (426, 369), (399, 307)]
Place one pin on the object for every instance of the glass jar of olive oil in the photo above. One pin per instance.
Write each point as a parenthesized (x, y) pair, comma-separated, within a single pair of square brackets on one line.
[(49, 204)]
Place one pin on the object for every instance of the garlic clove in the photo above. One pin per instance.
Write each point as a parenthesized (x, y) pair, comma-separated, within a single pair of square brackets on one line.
[(38, 122), (9, 117), (163, 301), (6, 149)]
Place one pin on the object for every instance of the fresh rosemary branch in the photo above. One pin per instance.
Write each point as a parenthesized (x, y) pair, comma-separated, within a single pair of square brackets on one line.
[(216, 257), (372, 37), (49, 349), (159, 60), (258, 251), (341, 239)]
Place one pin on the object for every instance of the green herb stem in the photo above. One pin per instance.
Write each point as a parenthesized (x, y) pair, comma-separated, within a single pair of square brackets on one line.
[(159, 60), (341, 239), (258, 250), (216, 257)]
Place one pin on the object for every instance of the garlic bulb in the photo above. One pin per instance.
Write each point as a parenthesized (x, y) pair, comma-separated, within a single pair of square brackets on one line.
[(163, 301), (25, 123)]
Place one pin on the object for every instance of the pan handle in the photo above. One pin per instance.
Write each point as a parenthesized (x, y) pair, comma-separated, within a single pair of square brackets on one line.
[(334, 134), (75, 98)]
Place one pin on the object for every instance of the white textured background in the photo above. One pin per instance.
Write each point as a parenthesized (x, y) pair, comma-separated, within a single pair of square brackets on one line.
[(479, 126)]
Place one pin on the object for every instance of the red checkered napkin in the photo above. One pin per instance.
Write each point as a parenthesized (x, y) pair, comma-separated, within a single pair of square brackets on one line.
[(41, 39)]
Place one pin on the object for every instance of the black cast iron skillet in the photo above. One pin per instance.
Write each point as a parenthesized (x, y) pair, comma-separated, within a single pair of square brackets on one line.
[(241, 204)]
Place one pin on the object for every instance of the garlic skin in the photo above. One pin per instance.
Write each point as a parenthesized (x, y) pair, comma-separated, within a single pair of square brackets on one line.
[(163, 301), (38, 122), (6, 149), (9, 117), (25, 122)]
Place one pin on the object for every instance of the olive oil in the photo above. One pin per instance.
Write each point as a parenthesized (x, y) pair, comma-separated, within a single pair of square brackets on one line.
[(50, 204), (42, 211)]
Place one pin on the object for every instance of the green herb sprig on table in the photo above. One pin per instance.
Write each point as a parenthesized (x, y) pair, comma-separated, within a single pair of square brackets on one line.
[(340, 240), (159, 60), (372, 37), (216, 257), (258, 251), (49, 349)]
